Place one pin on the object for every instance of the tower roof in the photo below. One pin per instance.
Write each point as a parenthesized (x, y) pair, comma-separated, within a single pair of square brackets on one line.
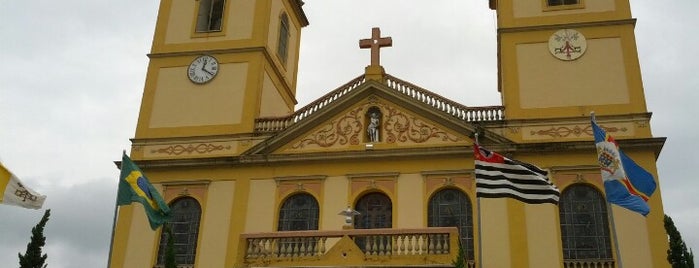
[(298, 8)]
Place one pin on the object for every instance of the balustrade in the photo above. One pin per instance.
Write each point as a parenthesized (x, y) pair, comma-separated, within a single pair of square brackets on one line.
[(468, 114), (373, 243), (588, 264)]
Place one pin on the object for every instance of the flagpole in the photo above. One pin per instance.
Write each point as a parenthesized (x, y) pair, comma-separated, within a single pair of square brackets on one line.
[(111, 243), (611, 215), (111, 240), (478, 207), (480, 238), (614, 235)]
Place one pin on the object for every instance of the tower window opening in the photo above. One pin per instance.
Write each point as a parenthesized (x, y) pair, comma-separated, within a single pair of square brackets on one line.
[(210, 15), (562, 2), (282, 47)]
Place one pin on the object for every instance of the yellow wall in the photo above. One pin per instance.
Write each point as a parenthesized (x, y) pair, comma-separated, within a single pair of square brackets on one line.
[(289, 67), (495, 233), (526, 13), (513, 233), (409, 206), (261, 207), (537, 8), (238, 22), (180, 103), (215, 224), (546, 82), (142, 241), (606, 79), (335, 199), (543, 235), (271, 98), (140, 248), (632, 238), (250, 70)]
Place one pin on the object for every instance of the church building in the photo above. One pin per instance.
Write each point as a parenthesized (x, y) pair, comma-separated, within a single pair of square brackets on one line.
[(379, 172)]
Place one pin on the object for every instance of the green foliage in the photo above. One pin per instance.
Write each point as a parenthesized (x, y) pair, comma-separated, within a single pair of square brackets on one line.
[(677, 255), (170, 248), (460, 261), (33, 258)]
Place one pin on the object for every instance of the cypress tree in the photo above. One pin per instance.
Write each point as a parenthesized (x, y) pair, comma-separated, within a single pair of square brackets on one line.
[(33, 258), (460, 261), (170, 248), (677, 255)]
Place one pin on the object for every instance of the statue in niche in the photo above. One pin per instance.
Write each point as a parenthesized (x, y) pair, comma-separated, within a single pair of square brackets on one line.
[(373, 128)]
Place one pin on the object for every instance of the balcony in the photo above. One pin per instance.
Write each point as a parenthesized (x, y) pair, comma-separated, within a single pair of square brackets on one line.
[(428, 247)]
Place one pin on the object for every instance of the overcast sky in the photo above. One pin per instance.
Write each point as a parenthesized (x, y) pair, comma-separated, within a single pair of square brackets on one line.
[(72, 74)]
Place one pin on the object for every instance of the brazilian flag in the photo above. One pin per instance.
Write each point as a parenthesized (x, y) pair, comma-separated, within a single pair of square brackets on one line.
[(134, 187)]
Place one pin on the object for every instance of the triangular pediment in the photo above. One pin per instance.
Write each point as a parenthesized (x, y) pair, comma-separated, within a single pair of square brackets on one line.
[(406, 120), (397, 127)]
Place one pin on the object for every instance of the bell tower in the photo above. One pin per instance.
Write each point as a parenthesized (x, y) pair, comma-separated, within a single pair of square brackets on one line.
[(558, 61), (215, 66), (567, 58)]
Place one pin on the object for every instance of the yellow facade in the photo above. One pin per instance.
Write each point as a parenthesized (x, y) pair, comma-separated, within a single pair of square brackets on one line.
[(237, 146)]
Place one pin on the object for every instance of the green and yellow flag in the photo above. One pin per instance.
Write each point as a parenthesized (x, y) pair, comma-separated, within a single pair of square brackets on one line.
[(135, 187)]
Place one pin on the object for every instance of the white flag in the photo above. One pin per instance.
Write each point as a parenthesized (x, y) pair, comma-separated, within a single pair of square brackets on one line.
[(498, 176), (14, 192)]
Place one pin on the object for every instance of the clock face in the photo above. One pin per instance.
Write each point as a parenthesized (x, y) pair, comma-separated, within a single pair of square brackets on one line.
[(202, 69), (567, 44)]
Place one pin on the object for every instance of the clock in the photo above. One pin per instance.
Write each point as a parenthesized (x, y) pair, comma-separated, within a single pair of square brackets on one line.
[(567, 44), (202, 69)]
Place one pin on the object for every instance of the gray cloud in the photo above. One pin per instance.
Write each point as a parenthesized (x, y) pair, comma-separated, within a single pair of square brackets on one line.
[(78, 231)]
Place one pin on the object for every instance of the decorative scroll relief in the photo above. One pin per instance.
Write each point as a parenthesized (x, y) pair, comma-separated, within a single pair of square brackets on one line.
[(290, 185), (358, 186), (396, 127), (574, 131), (194, 189), (339, 132), (401, 127), (565, 179), (465, 182), (189, 149)]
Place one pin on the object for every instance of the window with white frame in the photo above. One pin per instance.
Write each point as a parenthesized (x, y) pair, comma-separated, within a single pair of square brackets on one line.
[(283, 44), (210, 17)]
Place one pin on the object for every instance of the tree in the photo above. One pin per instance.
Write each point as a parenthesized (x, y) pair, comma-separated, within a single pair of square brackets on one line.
[(170, 248), (677, 255), (33, 258), (460, 261)]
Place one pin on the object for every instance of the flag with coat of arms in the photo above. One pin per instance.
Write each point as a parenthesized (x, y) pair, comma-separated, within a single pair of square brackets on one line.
[(626, 183)]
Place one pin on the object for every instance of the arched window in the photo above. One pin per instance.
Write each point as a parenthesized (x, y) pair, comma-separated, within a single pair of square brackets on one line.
[(375, 212), (210, 15), (283, 44), (451, 207), (186, 214), (584, 225), (299, 212)]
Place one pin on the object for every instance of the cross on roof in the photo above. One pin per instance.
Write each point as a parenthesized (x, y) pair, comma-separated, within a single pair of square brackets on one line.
[(376, 42)]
